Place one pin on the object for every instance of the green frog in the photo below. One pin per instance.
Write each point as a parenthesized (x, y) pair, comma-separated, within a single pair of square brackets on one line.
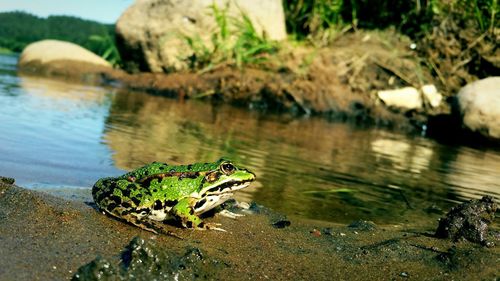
[(157, 192)]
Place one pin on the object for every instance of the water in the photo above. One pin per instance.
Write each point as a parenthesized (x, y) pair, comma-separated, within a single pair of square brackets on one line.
[(59, 136)]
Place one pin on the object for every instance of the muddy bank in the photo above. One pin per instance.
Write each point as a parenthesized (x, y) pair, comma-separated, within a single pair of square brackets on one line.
[(49, 238)]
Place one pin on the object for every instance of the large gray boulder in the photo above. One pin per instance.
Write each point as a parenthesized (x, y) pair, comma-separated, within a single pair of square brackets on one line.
[(149, 33), (479, 104)]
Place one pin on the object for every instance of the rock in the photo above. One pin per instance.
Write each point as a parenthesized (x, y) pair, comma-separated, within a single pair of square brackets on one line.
[(405, 98), (431, 95), (281, 224), (67, 61), (144, 260), (149, 33), (469, 220), (47, 51), (479, 105), (7, 180), (363, 225)]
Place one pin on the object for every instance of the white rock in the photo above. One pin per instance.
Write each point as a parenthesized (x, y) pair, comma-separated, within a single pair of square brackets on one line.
[(407, 98), (479, 104), (432, 95), (47, 51)]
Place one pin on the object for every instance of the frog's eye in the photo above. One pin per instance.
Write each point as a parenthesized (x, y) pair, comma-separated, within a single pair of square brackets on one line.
[(227, 168)]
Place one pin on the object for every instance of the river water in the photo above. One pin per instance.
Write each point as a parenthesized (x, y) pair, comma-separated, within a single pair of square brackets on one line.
[(57, 136)]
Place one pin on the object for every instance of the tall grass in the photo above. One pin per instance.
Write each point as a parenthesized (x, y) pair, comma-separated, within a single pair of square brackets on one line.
[(235, 41)]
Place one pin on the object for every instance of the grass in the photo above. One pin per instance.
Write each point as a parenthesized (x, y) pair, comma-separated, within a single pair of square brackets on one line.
[(105, 47), (5, 51), (235, 41), (321, 20)]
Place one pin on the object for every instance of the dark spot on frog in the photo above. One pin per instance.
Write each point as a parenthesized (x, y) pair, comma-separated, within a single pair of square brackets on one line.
[(157, 205), (188, 175), (170, 203), (468, 220), (125, 212), (214, 189), (200, 203), (126, 192), (189, 167), (102, 196), (136, 200), (111, 206), (126, 205), (115, 199), (212, 177), (189, 224), (131, 186), (161, 168)]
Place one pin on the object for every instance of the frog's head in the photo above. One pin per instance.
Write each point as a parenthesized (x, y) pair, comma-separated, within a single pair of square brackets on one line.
[(218, 184), (225, 178)]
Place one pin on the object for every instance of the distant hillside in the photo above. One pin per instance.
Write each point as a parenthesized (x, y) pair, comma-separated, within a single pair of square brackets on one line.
[(18, 29)]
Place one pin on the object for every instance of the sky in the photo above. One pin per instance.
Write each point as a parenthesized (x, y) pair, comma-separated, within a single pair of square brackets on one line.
[(104, 11)]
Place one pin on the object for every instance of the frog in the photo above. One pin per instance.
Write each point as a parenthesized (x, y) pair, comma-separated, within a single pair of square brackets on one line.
[(157, 193)]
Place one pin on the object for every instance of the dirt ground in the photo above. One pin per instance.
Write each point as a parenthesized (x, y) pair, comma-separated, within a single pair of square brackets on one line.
[(49, 238)]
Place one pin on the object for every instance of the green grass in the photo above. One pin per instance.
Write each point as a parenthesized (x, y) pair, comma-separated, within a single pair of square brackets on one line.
[(5, 51), (235, 41), (105, 47)]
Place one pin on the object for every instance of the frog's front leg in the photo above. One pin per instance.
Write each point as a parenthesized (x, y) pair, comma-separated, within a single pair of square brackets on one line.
[(184, 211)]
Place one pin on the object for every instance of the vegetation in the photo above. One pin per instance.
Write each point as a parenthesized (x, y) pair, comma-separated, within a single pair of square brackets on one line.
[(235, 42), (457, 40), (311, 18), (18, 29)]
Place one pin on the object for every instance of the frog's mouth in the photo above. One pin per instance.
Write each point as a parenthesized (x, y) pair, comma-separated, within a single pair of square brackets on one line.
[(211, 201), (227, 187)]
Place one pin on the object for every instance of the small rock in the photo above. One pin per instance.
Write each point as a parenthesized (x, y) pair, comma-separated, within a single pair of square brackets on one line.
[(146, 260), (328, 231), (362, 225), (7, 180), (432, 95), (406, 98), (468, 220), (315, 232), (281, 224)]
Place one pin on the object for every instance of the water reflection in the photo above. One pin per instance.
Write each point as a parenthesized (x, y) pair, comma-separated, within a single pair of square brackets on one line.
[(308, 167), (51, 132)]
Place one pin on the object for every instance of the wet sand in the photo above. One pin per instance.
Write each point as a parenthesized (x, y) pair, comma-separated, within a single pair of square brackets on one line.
[(49, 238)]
